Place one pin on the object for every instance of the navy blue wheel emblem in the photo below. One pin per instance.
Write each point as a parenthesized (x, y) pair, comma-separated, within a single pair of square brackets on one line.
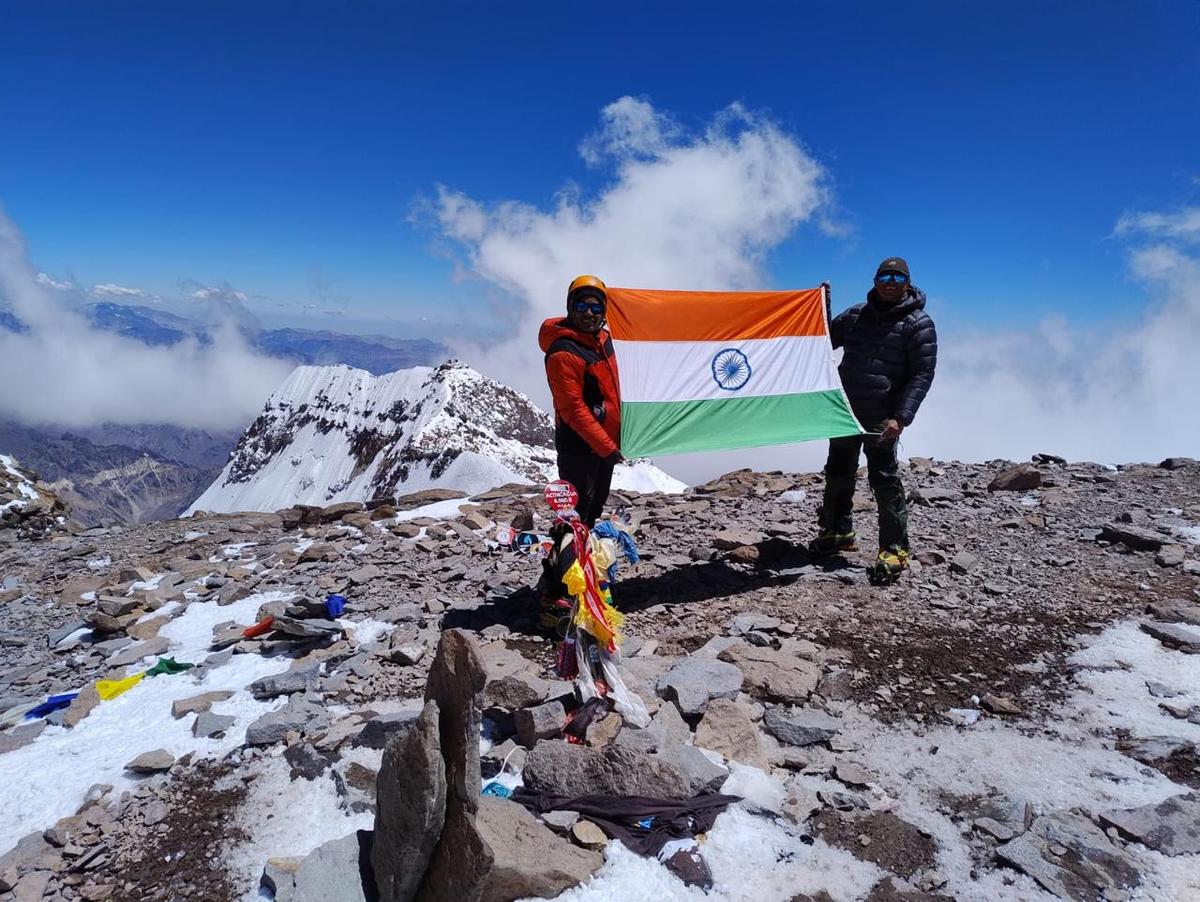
[(730, 369)]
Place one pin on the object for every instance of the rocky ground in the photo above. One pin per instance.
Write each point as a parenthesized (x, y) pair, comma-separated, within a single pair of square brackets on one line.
[(1017, 718)]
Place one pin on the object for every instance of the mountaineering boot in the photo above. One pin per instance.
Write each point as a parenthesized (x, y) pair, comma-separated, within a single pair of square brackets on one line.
[(888, 566), (829, 542)]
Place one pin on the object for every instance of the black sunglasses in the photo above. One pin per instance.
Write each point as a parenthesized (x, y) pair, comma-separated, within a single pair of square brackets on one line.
[(589, 307)]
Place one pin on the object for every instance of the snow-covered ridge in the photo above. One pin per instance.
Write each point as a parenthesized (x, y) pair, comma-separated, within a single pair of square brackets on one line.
[(334, 433), (16, 483)]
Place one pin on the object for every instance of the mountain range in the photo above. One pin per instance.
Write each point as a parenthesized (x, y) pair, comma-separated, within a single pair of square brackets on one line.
[(116, 473)]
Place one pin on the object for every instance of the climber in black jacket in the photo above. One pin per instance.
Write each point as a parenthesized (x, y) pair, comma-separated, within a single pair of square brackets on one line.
[(887, 367)]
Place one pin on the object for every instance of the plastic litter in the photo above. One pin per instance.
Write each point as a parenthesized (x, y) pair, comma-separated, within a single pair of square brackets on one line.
[(50, 705), (110, 689), (335, 605), (259, 628), (496, 789), (168, 666)]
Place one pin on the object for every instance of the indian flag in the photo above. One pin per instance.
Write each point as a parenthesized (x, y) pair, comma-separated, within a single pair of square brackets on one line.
[(712, 370)]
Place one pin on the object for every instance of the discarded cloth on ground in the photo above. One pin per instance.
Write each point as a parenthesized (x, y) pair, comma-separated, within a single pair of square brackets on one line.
[(642, 823)]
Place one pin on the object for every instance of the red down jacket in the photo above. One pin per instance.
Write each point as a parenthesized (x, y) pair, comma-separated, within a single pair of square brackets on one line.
[(586, 388)]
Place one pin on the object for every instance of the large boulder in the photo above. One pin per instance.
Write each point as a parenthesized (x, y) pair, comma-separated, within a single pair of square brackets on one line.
[(1020, 478), (336, 870), (410, 807), (695, 680), (800, 726), (461, 859), (528, 859), (1171, 826), (1070, 857), (773, 675), (726, 728), (560, 768)]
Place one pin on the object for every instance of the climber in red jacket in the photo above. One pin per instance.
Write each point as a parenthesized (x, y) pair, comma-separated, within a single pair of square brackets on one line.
[(582, 373)]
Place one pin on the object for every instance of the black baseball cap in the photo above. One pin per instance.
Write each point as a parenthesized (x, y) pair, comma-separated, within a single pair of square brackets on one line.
[(893, 264)]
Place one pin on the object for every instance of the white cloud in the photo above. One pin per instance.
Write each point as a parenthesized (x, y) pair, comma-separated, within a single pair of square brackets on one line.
[(1113, 390), (65, 372), (208, 293), (683, 211), (702, 211), (44, 279), (112, 290), (631, 129), (1181, 224)]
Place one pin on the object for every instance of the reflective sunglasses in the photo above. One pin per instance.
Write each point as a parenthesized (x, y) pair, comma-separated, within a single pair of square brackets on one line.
[(898, 277), (589, 307)]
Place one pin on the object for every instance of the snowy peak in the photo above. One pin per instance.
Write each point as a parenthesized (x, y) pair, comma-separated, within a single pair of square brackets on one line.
[(334, 433), (27, 506)]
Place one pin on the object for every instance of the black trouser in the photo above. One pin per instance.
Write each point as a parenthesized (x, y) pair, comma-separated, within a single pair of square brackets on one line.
[(883, 474), (592, 478)]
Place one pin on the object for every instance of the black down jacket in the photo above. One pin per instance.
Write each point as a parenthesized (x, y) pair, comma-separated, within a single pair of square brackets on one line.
[(890, 355)]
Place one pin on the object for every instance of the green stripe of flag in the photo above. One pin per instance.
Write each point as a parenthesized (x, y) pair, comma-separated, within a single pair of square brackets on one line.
[(675, 427)]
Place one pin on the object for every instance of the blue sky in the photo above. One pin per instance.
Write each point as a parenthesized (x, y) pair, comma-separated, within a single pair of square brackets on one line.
[(282, 148)]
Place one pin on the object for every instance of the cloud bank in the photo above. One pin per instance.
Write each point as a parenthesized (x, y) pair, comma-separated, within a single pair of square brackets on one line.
[(702, 210), (64, 372), (683, 210)]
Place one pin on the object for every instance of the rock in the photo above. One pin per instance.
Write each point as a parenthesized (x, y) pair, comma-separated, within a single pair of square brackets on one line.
[(335, 870), (1021, 478), (772, 675), (55, 636), (729, 539), (382, 727), (198, 703), (526, 858), (410, 807), (1170, 556), (1134, 537), (800, 726), (560, 822), (31, 887), (1179, 463), (695, 680), (572, 770), (852, 774), (81, 706), (401, 613), (208, 725), (296, 716), (1171, 826), (539, 722), (155, 813), (308, 628), (285, 683), (1070, 857), (999, 705), (747, 623), (932, 495), (1151, 749), (603, 731), (727, 730), (407, 653), (1183, 638), (279, 876), (514, 691), (963, 562), (800, 803), (1161, 690), (588, 835), (994, 828), (699, 772), (461, 859), (151, 762), (1176, 610), (363, 575)]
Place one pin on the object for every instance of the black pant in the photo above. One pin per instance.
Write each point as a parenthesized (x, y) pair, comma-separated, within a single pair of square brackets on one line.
[(592, 478), (883, 474)]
